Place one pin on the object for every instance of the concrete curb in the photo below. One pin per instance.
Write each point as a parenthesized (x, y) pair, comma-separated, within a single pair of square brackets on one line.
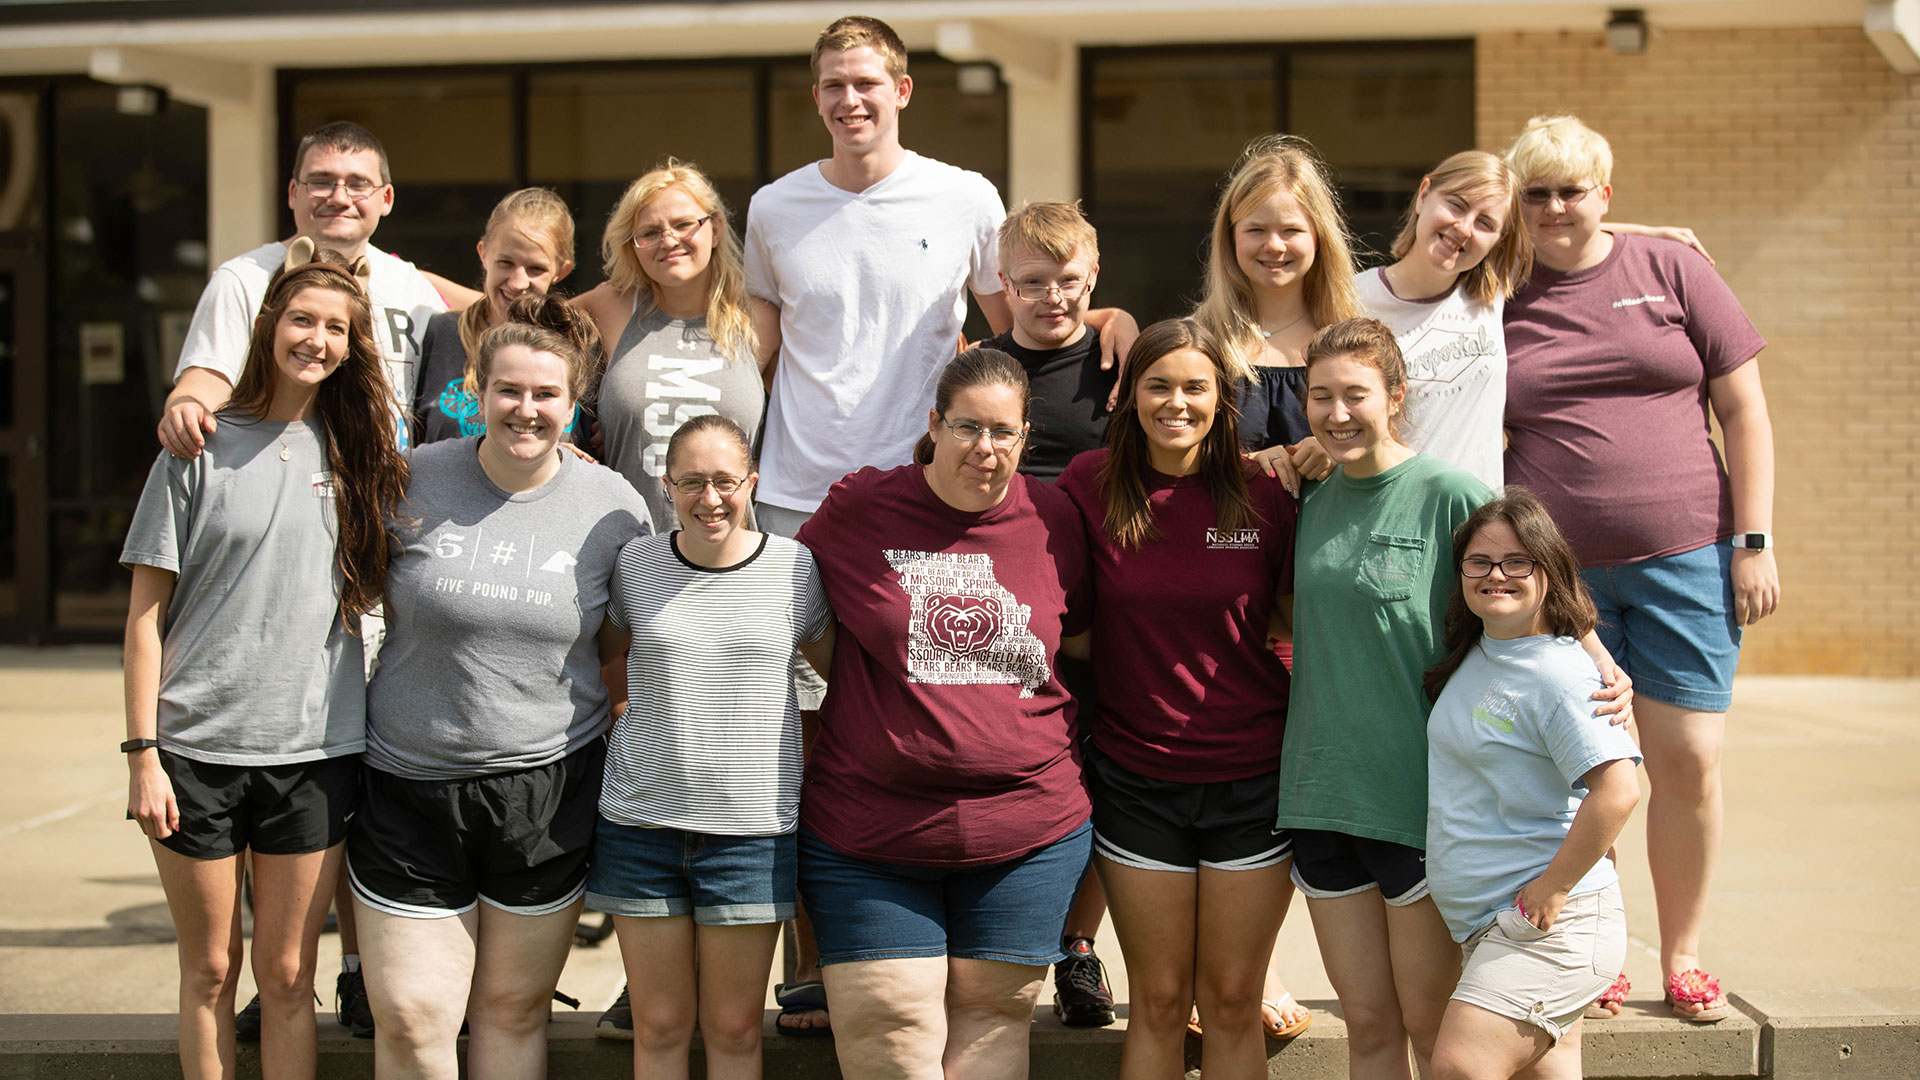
[(1781, 1034)]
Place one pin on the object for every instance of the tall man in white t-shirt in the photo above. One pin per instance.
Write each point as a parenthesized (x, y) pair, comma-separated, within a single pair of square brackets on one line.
[(339, 191)]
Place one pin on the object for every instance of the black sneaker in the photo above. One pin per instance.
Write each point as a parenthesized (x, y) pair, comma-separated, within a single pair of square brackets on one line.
[(246, 1026), (1080, 994), (350, 1005), (617, 1021)]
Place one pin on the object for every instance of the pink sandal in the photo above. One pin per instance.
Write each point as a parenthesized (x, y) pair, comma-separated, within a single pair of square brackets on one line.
[(1615, 996), (1696, 987)]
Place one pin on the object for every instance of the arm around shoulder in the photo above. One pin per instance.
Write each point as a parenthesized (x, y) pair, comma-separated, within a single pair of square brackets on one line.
[(188, 418)]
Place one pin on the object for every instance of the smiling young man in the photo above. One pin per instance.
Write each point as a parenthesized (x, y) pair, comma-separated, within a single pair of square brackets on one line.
[(1049, 261), (339, 191)]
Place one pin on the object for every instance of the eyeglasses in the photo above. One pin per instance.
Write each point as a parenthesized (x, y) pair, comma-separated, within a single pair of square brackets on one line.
[(1001, 438), (694, 485), (1033, 294), (1568, 196), (1478, 567), (356, 189), (678, 230)]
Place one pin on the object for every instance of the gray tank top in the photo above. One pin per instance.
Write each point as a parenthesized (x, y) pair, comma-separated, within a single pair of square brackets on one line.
[(663, 372)]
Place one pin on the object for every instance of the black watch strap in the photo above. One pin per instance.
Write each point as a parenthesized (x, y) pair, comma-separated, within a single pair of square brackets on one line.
[(131, 745)]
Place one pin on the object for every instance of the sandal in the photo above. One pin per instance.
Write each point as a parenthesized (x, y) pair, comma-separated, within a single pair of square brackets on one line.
[(1607, 1005), (1696, 987), (1277, 1028), (797, 1000)]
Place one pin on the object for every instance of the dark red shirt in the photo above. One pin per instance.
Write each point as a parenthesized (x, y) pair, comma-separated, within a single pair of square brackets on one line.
[(1189, 690), (946, 738)]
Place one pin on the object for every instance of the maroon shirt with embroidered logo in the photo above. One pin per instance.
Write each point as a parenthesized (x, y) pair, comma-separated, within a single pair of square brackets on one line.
[(946, 738), (1607, 372), (1189, 690)]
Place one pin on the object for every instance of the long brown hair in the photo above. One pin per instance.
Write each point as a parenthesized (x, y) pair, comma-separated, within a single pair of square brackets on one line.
[(359, 424), (1123, 479), (1567, 609), (975, 367)]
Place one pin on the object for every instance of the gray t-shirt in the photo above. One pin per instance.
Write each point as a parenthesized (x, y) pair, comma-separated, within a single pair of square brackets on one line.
[(664, 372), (257, 666), (711, 739), (493, 601)]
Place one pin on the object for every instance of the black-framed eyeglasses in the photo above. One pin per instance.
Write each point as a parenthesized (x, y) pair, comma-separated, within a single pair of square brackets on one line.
[(1066, 291), (694, 485), (678, 230), (1568, 196), (1000, 438), (1474, 566)]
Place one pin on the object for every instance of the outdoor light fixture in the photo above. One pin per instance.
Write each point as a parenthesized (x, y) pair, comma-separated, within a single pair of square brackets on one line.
[(1627, 31), (978, 79), (139, 100)]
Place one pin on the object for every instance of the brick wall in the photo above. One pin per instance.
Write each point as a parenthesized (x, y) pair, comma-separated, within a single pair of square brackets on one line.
[(1795, 154)]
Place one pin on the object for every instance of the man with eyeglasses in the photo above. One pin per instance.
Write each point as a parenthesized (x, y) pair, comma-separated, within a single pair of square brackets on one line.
[(339, 191), (1049, 260)]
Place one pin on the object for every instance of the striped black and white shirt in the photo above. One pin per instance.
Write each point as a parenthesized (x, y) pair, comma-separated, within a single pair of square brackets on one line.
[(711, 738)]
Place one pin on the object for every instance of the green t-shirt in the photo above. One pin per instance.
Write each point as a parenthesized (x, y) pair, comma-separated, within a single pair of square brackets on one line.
[(1373, 571)]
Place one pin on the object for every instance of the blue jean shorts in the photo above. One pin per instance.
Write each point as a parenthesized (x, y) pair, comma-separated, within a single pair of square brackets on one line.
[(719, 880), (1669, 623), (1011, 911)]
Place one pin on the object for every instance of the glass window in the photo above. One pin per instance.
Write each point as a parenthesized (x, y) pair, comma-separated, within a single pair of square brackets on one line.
[(1164, 125)]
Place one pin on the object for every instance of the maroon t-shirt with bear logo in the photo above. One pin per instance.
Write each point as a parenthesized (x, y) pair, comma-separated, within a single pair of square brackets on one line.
[(1189, 690), (1607, 372), (946, 738)]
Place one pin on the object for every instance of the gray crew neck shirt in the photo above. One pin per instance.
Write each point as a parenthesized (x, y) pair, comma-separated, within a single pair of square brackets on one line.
[(257, 667), (493, 603), (664, 372)]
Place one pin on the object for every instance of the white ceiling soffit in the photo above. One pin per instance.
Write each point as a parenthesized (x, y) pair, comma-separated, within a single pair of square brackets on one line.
[(557, 31)]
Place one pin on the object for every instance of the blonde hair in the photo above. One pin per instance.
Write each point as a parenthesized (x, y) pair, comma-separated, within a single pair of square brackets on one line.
[(1270, 164), (1054, 229), (1560, 146), (1476, 174), (729, 319), (538, 214), (853, 31)]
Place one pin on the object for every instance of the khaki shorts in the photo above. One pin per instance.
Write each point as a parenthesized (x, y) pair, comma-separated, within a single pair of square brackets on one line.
[(1547, 978)]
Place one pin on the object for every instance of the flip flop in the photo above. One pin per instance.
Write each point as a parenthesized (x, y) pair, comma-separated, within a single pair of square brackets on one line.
[(1696, 987), (1615, 995), (1279, 1031), (798, 999)]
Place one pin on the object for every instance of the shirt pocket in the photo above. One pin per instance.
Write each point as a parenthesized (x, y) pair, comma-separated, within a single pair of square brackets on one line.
[(1390, 565)]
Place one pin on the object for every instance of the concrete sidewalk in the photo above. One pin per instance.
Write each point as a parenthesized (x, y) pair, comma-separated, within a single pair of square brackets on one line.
[(1819, 874)]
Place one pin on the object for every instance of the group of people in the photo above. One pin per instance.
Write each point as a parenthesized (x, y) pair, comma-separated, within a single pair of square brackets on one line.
[(1334, 586)]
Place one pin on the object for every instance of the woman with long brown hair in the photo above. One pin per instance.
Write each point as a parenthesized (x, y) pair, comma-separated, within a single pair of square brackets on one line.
[(246, 702)]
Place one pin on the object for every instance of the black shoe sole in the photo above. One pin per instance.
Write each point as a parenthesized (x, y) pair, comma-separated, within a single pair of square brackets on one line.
[(1084, 1016)]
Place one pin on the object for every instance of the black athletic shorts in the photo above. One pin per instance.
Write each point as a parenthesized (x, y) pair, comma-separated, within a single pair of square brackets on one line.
[(1153, 824), (1332, 864), (292, 809), (518, 840)]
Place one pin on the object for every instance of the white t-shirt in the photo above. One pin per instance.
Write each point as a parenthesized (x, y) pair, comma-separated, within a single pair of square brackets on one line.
[(1456, 373), (710, 741), (222, 324), (872, 288)]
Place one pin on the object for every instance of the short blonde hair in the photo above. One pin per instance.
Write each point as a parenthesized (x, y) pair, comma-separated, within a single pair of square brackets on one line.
[(1561, 147), (1476, 174), (1270, 164), (729, 320), (1054, 229), (853, 31)]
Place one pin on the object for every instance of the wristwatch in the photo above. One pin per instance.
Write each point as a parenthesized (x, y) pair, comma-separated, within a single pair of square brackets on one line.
[(1752, 541), (131, 745)]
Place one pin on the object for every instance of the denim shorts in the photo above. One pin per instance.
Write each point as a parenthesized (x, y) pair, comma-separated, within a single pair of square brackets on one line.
[(719, 880), (1669, 623), (1011, 911)]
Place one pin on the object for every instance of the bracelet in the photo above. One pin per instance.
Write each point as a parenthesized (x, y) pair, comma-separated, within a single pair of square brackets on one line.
[(131, 745)]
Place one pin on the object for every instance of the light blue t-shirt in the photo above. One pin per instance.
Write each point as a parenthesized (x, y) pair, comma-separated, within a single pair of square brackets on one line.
[(1507, 744)]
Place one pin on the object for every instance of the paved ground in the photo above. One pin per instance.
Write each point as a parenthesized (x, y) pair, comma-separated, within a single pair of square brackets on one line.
[(1820, 874)]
